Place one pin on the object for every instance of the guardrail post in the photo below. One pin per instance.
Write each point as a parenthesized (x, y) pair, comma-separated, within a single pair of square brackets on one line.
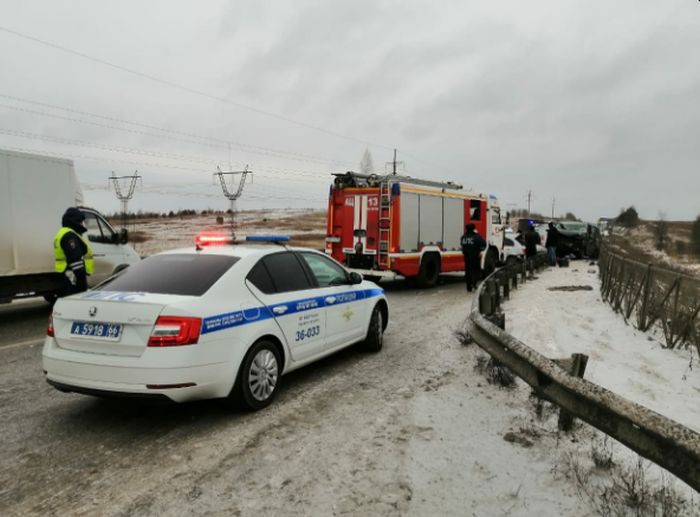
[(495, 291), (577, 366), (485, 303)]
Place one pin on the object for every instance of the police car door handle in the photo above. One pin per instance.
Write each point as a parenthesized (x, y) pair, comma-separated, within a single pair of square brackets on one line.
[(280, 309), (331, 299)]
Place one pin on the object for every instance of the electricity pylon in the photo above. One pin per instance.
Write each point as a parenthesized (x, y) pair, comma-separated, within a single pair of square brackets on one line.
[(124, 195), (234, 192)]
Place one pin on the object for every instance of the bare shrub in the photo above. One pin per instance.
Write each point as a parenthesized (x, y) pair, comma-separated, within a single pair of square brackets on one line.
[(495, 372), (633, 487), (602, 454), (628, 218), (627, 491), (463, 336), (681, 247), (661, 233), (695, 237)]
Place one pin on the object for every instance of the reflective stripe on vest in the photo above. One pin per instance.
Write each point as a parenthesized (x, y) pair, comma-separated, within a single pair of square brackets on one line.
[(60, 257)]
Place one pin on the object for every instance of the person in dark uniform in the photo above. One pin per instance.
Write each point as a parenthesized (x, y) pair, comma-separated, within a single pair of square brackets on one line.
[(532, 239), (72, 253), (552, 243), (472, 246)]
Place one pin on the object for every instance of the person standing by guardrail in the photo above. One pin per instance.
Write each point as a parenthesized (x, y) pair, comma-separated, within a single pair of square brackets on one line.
[(472, 245), (551, 244), (532, 239)]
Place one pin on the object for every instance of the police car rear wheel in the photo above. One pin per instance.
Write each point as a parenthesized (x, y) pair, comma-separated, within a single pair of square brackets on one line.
[(259, 377), (375, 333)]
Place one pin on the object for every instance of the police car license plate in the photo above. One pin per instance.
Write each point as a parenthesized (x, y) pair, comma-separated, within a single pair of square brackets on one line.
[(96, 330)]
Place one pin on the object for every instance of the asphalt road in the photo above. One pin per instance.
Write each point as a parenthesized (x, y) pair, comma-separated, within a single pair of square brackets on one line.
[(408, 431), (23, 322), (67, 453)]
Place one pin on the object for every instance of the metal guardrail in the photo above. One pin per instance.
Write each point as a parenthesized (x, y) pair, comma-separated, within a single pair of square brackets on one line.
[(653, 436)]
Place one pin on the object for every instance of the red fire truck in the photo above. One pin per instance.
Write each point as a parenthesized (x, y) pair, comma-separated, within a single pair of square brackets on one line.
[(384, 226)]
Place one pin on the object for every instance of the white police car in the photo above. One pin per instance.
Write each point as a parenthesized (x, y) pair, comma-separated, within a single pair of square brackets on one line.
[(211, 322)]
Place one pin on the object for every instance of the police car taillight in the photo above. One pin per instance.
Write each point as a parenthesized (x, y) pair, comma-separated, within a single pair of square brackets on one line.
[(49, 329), (212, 239), (175, 331)]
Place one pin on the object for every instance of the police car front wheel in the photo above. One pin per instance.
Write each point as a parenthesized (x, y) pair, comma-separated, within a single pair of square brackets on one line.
[(258, 377), (375, 333)]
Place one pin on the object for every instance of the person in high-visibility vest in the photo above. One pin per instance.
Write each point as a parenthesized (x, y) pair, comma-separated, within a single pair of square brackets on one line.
[(72, 253)]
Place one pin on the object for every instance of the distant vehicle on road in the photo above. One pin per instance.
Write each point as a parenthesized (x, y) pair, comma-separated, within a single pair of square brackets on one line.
[(578, 238), (513, 251), (35, 191), (215, 321)]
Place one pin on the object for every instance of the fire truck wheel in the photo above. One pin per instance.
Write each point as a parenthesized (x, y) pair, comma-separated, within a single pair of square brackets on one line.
[(375, 333), (429, 271)]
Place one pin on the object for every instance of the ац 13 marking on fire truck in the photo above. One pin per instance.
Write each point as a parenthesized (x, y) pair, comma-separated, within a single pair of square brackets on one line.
[(384, 226)]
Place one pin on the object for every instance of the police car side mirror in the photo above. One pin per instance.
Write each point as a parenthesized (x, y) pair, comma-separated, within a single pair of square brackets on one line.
[(355, 278), (124, 236)]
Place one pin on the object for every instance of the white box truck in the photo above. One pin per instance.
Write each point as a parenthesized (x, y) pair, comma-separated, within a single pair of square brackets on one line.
[(34, 193)]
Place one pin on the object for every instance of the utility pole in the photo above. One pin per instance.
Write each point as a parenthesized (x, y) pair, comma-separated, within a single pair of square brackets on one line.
[(233, 193), (529, 200), (126, 193), (393, 164), (554, 200)]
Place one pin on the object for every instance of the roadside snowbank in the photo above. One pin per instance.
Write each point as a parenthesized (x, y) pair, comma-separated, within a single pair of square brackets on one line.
[(621, 358)]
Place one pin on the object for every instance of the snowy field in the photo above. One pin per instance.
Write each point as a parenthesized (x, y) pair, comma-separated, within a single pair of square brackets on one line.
[(624, 360), (306, 227), (639, 244)]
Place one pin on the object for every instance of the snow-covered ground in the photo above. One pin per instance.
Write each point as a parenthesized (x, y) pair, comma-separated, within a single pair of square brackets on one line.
[(621, 358), (641, 239), (155, 235)]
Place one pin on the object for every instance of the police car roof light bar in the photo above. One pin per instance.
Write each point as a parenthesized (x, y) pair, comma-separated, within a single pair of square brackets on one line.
[(213, 239), (268, 238)]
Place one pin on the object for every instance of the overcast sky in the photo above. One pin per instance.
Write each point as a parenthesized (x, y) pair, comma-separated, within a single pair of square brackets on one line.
[(596, 104)]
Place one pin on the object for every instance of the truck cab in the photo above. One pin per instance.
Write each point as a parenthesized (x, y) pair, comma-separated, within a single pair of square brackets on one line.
[(110, 248)]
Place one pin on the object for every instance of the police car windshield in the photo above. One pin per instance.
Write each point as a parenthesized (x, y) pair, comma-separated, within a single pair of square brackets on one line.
[(181, 274)]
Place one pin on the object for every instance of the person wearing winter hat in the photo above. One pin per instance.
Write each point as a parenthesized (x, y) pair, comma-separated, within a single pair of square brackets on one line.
[(72, 253)]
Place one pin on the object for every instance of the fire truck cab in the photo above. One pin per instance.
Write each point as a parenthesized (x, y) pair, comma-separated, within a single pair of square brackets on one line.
[(385, 226)]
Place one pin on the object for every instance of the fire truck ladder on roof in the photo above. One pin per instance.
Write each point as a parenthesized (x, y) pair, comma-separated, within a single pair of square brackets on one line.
[(384, 222), (374, 180)]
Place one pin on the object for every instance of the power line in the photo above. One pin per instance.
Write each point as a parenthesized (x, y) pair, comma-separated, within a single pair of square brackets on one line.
[(431, 163), (157, 154), (224, 144), (187, 88), (137, 163)]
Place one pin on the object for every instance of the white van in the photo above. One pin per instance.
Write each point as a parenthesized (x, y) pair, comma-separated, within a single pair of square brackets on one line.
[(34, 193)]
